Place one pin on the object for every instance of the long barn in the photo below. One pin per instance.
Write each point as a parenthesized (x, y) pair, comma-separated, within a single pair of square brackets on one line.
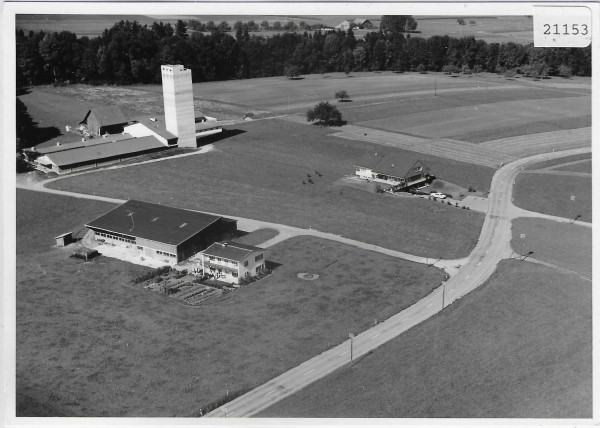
[(161, 232)]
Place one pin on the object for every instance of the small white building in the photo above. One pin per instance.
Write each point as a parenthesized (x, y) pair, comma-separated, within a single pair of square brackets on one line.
[(230, 261)]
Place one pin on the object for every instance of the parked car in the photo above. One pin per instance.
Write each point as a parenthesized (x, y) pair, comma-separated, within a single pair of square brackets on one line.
[(438, 195)]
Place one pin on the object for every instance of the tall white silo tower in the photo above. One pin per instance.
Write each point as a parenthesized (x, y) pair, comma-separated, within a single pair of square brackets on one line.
[(179, 104)]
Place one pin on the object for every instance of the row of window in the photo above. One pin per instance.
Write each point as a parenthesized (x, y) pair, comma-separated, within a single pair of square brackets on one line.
[(220, 260), (116, 238), (162, 253)]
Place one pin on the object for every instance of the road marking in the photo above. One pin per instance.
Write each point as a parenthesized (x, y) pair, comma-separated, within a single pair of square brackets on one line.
[(270, 392), (341, 355), (429, 305), (230, 413), (310, 371), (378, 334), (467, 276), (451, 291)]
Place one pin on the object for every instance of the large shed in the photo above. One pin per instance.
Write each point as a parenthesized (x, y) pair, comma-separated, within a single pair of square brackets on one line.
[(105, 120), (159, 231)]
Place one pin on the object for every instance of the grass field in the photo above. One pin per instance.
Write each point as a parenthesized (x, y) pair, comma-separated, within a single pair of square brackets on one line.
[(463, 108), (566, 245), (483, 120), (106, 348), (585, 167), (520, 346), (559, 161), (501, 29), (259, 174), (551, 194)]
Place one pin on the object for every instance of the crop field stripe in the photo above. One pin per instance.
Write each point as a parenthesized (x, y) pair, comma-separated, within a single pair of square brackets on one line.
[(570, 138), (448, 148)]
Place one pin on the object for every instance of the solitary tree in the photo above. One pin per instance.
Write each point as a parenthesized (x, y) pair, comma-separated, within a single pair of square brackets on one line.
[(341, 95), (291, 71), (325, 114)]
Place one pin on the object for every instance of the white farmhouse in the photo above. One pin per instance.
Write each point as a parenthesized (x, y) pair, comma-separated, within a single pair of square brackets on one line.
[(230, 261)]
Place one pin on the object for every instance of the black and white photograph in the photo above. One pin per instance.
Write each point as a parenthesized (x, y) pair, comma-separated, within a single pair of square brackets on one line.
[(298, 212)]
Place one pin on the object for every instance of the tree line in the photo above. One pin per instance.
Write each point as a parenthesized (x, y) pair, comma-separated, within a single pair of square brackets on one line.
[(130, 52)]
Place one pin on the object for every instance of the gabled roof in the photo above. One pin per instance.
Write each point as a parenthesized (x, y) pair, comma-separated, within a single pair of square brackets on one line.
[(107, 115), (155, 222), (389, 164), (231, 250), (360, 21), (157, 125), (103, 151), (78, 144)]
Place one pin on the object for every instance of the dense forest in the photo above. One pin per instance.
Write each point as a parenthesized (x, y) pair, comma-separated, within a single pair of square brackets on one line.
[(132, 53)]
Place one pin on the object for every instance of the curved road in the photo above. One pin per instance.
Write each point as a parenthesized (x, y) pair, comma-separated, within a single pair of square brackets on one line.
[(493, 246)]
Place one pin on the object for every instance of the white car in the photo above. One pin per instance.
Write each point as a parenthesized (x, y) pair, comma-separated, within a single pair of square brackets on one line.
[(438, 195)]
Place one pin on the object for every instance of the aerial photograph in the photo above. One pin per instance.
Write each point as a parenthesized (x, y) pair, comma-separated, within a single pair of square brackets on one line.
[(301, 216)]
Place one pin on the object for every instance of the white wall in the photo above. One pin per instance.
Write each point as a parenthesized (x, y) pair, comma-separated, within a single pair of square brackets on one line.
[(179, 104)]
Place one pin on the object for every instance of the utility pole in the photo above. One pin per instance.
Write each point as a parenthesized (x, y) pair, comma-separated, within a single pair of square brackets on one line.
[(522, 242), (444, 295), (435, 86), (351, 343)]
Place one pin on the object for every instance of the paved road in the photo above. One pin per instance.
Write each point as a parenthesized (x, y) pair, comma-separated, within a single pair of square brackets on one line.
[(493, 246)]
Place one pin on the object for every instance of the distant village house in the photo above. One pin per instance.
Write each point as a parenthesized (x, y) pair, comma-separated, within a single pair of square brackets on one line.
[(399, 171)]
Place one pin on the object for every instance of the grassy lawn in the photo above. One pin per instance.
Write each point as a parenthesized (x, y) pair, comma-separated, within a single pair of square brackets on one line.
[(520, 346), (103, 347), (260, 174), (565, 245), (551, 194)]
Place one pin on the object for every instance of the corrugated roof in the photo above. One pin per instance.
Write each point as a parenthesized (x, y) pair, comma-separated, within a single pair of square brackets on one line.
[(389, 164), (155, 222), (107, 115), (86, 143), (103, 151), (230, 250)]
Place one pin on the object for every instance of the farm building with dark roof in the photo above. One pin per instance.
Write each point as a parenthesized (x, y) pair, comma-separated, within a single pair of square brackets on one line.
[(396, 170), (95, 152), (105, 120), (161, 232)]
